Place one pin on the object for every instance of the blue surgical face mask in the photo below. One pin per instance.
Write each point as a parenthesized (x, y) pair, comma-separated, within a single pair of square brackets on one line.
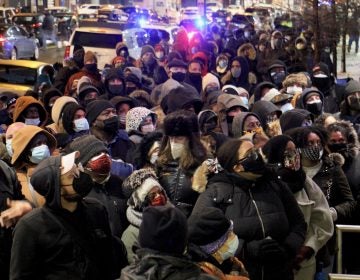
[(39, 153), (9, 147), (245, 100), (286, 107), (35, 122), (81, 125), (232, 247)]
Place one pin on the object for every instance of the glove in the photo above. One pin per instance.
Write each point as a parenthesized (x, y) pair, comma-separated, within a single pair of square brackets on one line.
[(304, 253)]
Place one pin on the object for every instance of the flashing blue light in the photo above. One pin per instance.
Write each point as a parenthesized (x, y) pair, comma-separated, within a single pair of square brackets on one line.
[(142, 22), (200, 23)]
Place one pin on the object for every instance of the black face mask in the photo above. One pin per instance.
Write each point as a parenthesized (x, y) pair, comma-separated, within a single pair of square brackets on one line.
[(253, 162), (322, 84), (195, 77), (338, 147), (91, 67), (130, 90), (314, 108), (83, 184), (229, 119), (278, 78), (111, 125), (355, 103), (116, 90), (178, 76)]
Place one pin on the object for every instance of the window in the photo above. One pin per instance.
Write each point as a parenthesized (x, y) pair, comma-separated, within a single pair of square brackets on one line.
[(97, 40), (17, 75)]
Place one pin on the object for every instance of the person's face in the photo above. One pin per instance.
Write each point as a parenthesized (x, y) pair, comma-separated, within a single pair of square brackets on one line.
[(32, 112), (177, 69), (79, 114), (242, 152), (353, 95), (106, 114), (234, 112), (178, 139), (313, 140), (195, 68), (146, 121), (313, 98), (123, 108), (38, 140), (91, 95), (336, 137), (115, 82), (235, 65), (277, 70), (156, 196), (147, 56), (251, 123), (130, 85)]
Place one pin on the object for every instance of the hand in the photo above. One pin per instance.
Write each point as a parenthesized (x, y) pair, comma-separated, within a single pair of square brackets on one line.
[(304, 253), (266, 250), (17, 209)]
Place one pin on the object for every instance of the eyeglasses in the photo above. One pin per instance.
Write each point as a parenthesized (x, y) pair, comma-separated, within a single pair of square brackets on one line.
[(151, 196), (251, 154)]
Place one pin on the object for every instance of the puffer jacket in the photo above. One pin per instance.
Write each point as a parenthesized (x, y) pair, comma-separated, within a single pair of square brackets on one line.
[(177, 184), (154, 265), (259, 209)]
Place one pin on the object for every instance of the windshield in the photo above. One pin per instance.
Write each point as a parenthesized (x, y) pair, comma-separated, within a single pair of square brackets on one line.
[(20, 20), (96, 40), (18, 75)]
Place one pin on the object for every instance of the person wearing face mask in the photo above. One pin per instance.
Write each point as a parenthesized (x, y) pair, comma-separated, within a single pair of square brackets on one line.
[(177, 70), (104, 124), (238, 74), (122, 51), (277, 73), (193, 75), (139, 122), (147, 61), (243, 93), (68, 223), (282, 154), (322, 79), (350, 106), (30, 146), (181, 152), (294, 84), (143, 190), (269, 236), (97, 163), (49, 97), (122, 105), (222, 65), (147, 152), (87, 93), (281, 100), (9, 138), (304, 55), (89, 69), (213, 244), (114, 84), (311, 99), (133, 83), (295, 118), (29, 111), (326, 172), (248, 51)]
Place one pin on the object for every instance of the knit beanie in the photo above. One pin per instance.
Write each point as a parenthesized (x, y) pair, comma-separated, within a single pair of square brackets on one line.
[(68, 114), (89, 57), (163, 229), (293, 118), (88, 146), (274, 149), (209, 229), (138, 184), (135, 117), (181, 123), (351, 87), (147, 48), (94, 109), (208, 79), (85, 88), (57, 109), (23, 137), (22, 103)]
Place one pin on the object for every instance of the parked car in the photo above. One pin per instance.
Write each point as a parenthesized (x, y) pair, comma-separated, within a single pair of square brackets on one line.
[(7, 13), (242, 21), (88, 9), (57, 9), (162, 30), (65, 24), (221, 17), (16, 43), (20, 75), (112, 12), (32, 22)]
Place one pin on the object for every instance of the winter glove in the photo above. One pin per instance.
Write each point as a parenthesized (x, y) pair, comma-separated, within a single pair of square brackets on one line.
[(266, 250), (304, 253)]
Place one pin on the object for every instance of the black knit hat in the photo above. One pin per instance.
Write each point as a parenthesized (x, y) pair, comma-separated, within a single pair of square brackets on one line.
[(293, 118), (94, 109), (175, 62), (207, 226), (88, 146), (147, 48), (163, 229), (274, 149), (86, 88), (68, 114), (181, 123)]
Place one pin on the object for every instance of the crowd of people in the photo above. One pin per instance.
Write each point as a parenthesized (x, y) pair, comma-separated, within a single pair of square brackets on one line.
[(218, 157)]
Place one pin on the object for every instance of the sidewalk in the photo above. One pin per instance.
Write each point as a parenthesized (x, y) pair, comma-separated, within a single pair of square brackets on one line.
[(352, 64)]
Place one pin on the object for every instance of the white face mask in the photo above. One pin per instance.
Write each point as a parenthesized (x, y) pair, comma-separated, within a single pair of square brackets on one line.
[(286, 107), (233, 246), (245, 100), (320, 76), (176, 149), (39, 153), (9, 147), (294, 89), (154, 158), (147, 128), (81, 124), (32, 121)]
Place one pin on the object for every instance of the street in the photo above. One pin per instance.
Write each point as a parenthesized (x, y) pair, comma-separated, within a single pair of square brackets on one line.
[(52, 54)]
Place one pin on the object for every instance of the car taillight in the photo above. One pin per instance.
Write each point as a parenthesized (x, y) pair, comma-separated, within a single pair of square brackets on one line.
[(2, 40), (36, 25), (67, 52)]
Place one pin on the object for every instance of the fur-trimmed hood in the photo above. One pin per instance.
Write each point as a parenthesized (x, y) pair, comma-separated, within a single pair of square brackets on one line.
[(243, 47)]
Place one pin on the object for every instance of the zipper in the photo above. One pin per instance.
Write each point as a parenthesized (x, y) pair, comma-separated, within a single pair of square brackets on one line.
[(261, 223)]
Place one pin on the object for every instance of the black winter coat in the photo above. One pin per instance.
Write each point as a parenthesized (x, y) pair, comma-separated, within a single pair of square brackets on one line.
[(44, 249), (177, 184), (258, 210)]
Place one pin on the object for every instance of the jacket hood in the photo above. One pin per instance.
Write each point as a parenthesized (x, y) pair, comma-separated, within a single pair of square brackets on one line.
[(226, 101), (58, 107), (49, 93), (135, 116), (293, 118), (244, 76), (140, 95), (260, 87), (22, 103), (263, 109), (238, 123), (46, 181), (243, 47), (305, 93)]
